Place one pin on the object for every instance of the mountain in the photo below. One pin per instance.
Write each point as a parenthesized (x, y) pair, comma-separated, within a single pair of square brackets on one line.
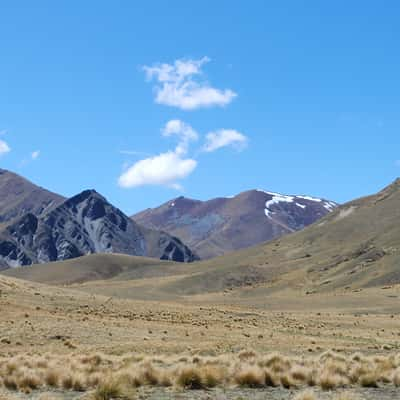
[(215, 227), (18, 196), (354, 248), (83, 224)]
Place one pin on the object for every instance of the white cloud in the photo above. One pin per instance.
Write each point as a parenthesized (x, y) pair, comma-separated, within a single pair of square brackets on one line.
[(184, 131), (4, 148), (35, 155), (178, 86), (166, 168), (225, 137)]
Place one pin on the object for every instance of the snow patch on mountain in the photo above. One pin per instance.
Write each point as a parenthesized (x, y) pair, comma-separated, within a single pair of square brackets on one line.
[(330, 205), (298, 200), (276, 199), (310, 198)]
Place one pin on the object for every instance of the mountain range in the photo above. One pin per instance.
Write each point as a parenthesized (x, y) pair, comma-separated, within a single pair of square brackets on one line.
[(37, 226), (355, 247), (43, 227), (218, 226)]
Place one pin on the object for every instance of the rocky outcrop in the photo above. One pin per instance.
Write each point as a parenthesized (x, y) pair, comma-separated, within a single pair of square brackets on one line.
[(84, 224)]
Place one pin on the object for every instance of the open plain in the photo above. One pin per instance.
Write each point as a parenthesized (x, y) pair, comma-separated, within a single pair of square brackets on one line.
[(67, 341)]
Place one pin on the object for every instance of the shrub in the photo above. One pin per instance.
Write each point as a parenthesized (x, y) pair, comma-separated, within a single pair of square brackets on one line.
[(190, 378), (112, 389), (250, 376)]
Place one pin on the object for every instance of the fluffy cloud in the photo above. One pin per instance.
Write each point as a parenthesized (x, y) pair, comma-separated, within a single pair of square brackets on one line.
[(184, 131), (178, 86), (225, 137), (166, 168), (4, 148), (35, 155)]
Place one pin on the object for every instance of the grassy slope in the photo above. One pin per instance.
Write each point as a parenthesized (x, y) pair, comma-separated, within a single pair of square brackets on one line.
[(354, 247)]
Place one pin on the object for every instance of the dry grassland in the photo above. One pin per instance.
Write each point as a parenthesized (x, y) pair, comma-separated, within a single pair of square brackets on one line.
[(60, 339)]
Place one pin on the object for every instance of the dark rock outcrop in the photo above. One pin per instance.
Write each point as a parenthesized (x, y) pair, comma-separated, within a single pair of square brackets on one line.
[(84, 224)]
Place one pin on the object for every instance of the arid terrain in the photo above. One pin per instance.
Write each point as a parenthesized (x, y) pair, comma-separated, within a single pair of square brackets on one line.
[(82, 336), (316, 310)]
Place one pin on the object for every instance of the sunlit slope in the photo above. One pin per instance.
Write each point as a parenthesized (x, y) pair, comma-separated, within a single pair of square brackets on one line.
[(355, 246)]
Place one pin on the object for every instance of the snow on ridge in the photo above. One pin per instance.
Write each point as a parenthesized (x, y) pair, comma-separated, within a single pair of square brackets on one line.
[(279, 198), (330, 205), (318, 200), (310, 198), (276, 198)]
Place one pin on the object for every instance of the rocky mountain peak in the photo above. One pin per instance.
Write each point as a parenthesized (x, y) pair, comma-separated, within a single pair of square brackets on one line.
[(84, 224), (18, 196), (224, 224)]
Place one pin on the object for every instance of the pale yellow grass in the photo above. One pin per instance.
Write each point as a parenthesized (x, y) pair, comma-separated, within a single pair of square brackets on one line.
[(103, 373)]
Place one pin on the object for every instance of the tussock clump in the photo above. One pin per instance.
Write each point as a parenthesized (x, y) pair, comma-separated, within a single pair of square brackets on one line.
[(250, 376), (52, 378), (10, 383), (78, 382), (190, 378), (28, 380), (271, 379), (287, 382), (67, 382), (329, 381), (149, 375), (369, 380), (213, 375), (301, 373), (112, 389)]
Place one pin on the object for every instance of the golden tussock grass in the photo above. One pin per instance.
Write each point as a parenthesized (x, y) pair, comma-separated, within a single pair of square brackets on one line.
[(105, 373), (112, 389)]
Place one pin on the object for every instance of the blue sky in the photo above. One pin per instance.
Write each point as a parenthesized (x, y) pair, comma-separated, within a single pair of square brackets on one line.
[(299, 97)]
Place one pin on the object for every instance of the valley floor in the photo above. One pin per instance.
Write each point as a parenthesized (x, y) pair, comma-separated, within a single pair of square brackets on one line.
[(43, 326)]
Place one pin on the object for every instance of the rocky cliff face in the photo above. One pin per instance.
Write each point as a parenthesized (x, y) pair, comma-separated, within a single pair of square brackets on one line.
[(220, 225), (84, 224)]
